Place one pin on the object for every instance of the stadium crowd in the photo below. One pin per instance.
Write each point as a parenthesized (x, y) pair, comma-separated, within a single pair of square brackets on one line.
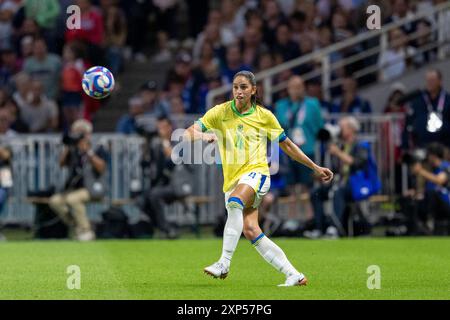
[(42, 62)]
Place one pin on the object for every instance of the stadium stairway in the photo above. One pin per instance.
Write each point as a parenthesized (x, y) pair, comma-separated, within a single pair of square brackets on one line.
[(134, 75)]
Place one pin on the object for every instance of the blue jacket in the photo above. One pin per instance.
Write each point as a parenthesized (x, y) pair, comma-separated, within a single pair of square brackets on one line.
[(287, 113)]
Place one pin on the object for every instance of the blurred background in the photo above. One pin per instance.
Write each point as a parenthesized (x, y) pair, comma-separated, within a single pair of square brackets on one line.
[(335, 86)]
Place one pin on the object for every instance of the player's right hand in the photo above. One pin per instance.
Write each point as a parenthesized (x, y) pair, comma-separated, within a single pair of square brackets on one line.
[(325, 174), (209, 137)]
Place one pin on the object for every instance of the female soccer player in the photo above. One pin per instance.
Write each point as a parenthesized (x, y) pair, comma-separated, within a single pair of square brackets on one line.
[(241, 128)]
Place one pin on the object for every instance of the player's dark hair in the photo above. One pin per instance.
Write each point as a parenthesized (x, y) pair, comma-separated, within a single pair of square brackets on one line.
[(252, 79)]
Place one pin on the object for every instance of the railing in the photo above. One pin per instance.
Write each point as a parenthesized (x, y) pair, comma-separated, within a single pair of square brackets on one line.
[(35, 168), (327, 68)]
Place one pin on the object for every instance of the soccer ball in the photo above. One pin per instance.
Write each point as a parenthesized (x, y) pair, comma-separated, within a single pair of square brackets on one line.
[(98, 82)]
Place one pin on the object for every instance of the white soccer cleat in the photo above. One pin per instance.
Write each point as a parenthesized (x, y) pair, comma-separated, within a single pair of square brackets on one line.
[(217, 270), (86, 236), (295, 280)]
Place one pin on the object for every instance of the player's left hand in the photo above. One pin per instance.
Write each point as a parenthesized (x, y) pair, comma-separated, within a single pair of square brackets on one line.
[(325, 174)]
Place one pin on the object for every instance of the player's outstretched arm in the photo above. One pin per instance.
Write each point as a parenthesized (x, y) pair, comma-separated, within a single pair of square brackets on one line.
[(294, 152), (194, 132)]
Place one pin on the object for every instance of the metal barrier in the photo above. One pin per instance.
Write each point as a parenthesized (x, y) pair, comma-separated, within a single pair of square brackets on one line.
[(35, 168)]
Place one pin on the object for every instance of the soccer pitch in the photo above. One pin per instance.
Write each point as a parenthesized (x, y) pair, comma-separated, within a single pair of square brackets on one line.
[(410, 268)]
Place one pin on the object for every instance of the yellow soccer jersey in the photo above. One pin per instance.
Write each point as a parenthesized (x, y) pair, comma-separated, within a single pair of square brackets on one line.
[(242, 138)]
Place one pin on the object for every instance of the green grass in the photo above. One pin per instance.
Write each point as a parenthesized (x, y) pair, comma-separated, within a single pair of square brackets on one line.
[(156, 269)]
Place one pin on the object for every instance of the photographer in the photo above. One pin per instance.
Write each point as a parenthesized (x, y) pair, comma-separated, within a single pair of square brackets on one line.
[(6, 181), (169, 182), (436, 201), (356, 180), (85, 182)]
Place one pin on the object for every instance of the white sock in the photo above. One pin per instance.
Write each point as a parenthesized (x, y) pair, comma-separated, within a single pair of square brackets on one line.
[(233, 229), (273, 255)]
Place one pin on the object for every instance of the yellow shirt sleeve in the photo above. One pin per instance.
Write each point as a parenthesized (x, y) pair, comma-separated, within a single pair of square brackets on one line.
[(211, 119), (274, 129)]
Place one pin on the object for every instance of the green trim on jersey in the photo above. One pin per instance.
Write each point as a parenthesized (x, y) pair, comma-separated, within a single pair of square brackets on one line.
[(249, 112), (202, 126)]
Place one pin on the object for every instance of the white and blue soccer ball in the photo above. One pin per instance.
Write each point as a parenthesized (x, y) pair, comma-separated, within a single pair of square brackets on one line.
[(98, 82)]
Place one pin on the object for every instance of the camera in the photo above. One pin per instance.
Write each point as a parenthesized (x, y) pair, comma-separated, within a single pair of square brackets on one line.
[(415, 156), (329, 132), (72, 139), (146, 127)]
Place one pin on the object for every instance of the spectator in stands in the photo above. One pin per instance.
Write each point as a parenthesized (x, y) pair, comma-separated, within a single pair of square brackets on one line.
[(215, 17), (86, 170), (297, 23), (153, 104), (38, 111), (9, 66), (437, 198), (177, 106), (272, 16), (428, 115), (45, 67), (5, 132), (182, 72), (301, 117), (314, 89), (352, 156), (71, 76), (233, 64), (252, 46), (6, 30), (16, 122), (265, 61), (230, 20), (206, 68), (115, 37), (92, 31), (22, 83), (283, 43), (27, 28), (164, 54), (127, 123), (26, 48), (341, 26), (220, 38), (425, 38), (401, 10), (45, 13), (351, 102), (393, 62), (253, 19)]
